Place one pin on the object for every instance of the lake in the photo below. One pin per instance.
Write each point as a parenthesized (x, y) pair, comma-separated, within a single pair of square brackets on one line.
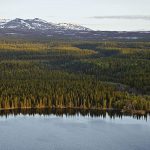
[(73, 130)]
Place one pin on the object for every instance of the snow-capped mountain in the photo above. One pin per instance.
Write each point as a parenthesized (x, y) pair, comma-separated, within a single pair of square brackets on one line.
[(38, 28), (38, 24)]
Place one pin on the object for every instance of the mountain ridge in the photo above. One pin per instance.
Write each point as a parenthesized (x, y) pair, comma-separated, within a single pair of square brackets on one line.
[(39, 24), (38, 28)]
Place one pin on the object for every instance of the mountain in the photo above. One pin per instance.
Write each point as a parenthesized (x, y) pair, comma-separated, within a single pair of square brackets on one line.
[(38, 24), (38, 28)]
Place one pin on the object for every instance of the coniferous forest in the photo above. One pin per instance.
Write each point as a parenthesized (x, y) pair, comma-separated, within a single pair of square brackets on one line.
[(75, 74)]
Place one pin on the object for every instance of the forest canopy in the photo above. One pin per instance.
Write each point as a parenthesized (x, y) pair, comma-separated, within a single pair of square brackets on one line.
[(89, 75)]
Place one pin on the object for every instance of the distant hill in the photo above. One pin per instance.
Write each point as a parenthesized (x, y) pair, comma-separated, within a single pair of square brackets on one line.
[(41, 28)]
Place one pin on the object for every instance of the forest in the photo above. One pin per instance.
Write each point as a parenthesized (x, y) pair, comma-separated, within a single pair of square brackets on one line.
[(75, 74)]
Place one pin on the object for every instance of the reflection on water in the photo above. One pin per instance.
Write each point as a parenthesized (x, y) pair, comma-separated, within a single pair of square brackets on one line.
[(72, 112), (72, 129)]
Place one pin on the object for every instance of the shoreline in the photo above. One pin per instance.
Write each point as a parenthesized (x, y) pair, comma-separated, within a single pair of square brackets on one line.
[(132, 112)]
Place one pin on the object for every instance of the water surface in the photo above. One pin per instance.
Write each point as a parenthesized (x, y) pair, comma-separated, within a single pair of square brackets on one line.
[(73, 132)]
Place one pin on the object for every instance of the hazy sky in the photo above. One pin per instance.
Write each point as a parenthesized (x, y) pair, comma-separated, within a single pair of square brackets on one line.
[(96, 14)]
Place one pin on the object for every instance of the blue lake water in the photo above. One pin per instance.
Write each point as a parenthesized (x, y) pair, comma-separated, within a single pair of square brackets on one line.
[(76, 132)]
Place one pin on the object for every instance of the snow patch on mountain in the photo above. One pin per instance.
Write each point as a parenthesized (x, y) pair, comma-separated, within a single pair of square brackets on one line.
[(3, 22), (69, 26)]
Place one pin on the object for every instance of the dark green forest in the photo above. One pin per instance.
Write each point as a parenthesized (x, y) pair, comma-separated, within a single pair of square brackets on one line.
[(75, 74)]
